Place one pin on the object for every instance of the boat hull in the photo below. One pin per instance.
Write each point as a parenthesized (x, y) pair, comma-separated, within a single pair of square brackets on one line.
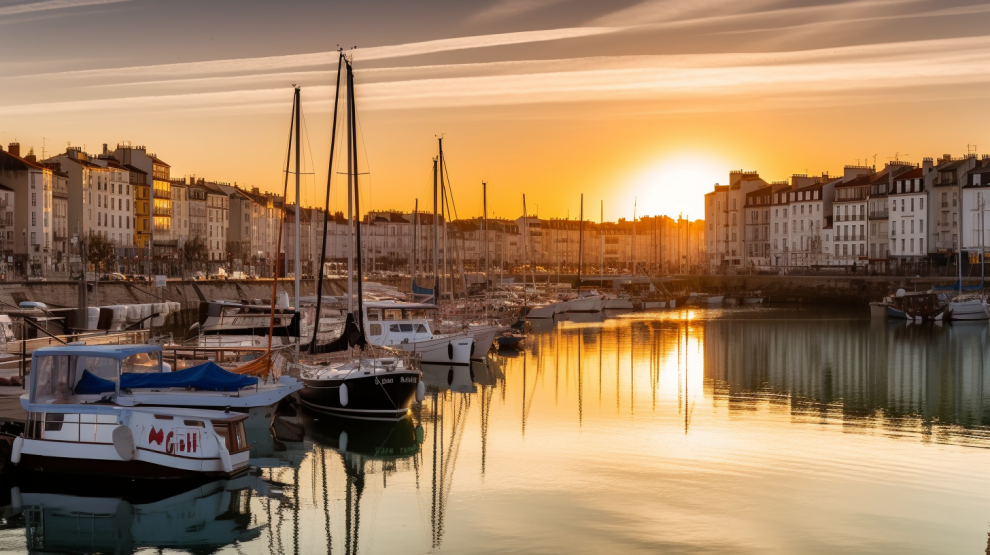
[(442, 350), (484, 338), (377, 397), (585, 305), (968, 310)]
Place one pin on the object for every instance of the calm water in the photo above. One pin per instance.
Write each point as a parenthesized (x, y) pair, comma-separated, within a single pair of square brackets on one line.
[(700, 431)]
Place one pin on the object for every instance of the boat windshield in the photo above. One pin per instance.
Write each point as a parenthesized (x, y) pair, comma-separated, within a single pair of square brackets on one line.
[(143, 363), (58, 375)]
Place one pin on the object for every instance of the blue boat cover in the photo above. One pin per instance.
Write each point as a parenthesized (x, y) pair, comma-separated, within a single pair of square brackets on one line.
[(957, 288), (420, 290), (91, 384), (207, 376)]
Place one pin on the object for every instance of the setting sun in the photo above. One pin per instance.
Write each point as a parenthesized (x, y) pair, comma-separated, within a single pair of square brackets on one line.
[(676, 185)]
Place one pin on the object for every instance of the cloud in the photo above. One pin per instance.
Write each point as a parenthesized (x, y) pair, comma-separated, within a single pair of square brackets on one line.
[(276, 63), (511, 8), (813, 73), (52, 5)]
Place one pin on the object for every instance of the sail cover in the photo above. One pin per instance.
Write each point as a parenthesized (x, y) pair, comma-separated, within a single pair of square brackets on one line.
[(207, 376)]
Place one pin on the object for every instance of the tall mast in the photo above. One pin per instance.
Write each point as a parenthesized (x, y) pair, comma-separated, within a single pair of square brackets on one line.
[(436, 239), (350, 199), (357, 196), (581, 244), (635, 201), (297, 265), (443, 213), (326, 212), (281, 223), (415, 253), (484, 207), (525, 239), (601, 243)]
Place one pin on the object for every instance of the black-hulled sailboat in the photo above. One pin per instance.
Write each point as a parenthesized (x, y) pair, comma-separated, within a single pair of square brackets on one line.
[(370, 387)]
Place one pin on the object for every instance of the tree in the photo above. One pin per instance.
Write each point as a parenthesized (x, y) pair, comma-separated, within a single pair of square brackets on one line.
[(100, 252), (194, 250)]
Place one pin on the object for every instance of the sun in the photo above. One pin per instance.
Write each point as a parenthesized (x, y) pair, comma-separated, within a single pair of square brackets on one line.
[(676, 185)]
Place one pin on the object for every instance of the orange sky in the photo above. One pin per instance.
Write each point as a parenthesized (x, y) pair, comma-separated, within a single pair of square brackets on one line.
[(646, 101)]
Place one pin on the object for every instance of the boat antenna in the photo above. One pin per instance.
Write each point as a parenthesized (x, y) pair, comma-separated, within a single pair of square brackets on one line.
[(326, 209)]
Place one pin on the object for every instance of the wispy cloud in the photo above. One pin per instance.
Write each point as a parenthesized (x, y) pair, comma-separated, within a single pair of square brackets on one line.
[(504, 9), (815, 73), (51, 5), (278, 63)]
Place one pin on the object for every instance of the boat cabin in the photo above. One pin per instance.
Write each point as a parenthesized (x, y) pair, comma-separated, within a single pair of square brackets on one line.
[(65, 374), (393, 323)]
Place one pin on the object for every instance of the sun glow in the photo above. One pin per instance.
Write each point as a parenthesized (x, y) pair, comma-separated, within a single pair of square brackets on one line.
[(676, 185)]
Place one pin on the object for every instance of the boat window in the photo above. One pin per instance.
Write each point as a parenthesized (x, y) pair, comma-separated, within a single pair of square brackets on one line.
[(375, 329), (101, 367), (393, 314), (143, 363), (53, 380), (374, 314), (420, 328), (221, 429), (196, 423), (394, 328), (241, 436), (406, 327)]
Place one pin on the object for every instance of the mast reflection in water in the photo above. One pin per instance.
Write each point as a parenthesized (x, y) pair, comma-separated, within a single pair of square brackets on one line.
[(716, 431)]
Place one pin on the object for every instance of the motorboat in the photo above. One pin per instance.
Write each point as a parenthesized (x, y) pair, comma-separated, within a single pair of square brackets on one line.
[(510, 340), (376, 388), (136, 376), (586, 302), (910, 305), (753, 297), (968, 307), (234, 318), (406, 326)]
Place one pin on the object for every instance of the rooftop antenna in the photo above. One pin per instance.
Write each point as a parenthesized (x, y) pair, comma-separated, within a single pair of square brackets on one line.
[(970, 149), (43, 148), (874, 160)]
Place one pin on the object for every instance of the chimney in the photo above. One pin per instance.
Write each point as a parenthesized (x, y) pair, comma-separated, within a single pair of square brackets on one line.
[(927, 165), (14, 148), (255, 190), (105, 151), (30, 156)]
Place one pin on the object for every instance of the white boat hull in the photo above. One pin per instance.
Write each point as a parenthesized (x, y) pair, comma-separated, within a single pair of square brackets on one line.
[(484, 338), (442, 350), (968, 310), (618, 304)]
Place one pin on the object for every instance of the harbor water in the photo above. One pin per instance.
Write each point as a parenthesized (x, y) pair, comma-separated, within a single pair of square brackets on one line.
[(774, 430)]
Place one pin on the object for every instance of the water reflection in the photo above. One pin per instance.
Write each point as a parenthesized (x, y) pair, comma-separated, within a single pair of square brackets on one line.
[(203, 518), (718, 431)]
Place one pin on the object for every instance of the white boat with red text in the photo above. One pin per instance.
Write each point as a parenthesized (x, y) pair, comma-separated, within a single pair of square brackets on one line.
[(72, 428)]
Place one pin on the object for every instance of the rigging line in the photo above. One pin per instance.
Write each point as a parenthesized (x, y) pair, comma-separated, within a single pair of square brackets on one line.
[(278, 245), (449, 186), (309, 147)]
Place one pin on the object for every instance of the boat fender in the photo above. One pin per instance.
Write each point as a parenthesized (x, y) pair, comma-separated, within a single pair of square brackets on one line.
[(16, 501), (420, 391), (123, 442), (225, 463), (343, 394), (342, 442), (450, 351), (15, 453)]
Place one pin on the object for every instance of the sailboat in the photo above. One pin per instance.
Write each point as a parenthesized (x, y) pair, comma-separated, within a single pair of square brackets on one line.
[(370, 387), (969, 306)]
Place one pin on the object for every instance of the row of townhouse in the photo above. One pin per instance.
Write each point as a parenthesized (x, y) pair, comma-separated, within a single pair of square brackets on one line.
[(899, 215)]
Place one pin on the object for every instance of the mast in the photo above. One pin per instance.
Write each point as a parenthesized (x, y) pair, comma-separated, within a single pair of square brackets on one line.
[(357, 196), (484, 207), (350, 200), (415, 256), (443, 213), (436, 240), (281, 226), (581, 244), (635, 202), (326, 212), (296, 266), (525, 238), (601, 243)]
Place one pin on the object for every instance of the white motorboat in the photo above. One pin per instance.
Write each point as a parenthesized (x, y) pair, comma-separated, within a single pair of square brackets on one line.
[(405, 326), (587, 301), (654, 305), (968, 307), (135, 376), (484, 338), (618, 303), (238, 319)]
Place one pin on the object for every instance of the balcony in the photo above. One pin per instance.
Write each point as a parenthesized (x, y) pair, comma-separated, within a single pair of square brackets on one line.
[(162, 193), (163, 211), (879, 215)]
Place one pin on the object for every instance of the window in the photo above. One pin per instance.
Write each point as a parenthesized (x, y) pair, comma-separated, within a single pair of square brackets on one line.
[(34, 199), (921, 226), (921, 204), (375, 329), (921, 245), (33, 220)]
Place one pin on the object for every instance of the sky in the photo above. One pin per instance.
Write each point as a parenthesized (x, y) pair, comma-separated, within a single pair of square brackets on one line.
[(639, 105)]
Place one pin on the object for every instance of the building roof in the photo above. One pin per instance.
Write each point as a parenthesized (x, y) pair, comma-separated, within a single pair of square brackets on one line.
[(913, 174), (131, 168)]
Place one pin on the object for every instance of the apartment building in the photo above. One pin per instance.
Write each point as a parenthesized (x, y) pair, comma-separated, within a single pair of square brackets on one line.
[(31, 183), (849, 221), (943, 207), (908, 217)]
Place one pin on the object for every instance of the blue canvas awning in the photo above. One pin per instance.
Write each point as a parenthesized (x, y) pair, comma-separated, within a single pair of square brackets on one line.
[(207, 376)]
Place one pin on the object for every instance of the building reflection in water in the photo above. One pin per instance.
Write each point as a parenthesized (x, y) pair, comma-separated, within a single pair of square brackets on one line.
[(871, 373)]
